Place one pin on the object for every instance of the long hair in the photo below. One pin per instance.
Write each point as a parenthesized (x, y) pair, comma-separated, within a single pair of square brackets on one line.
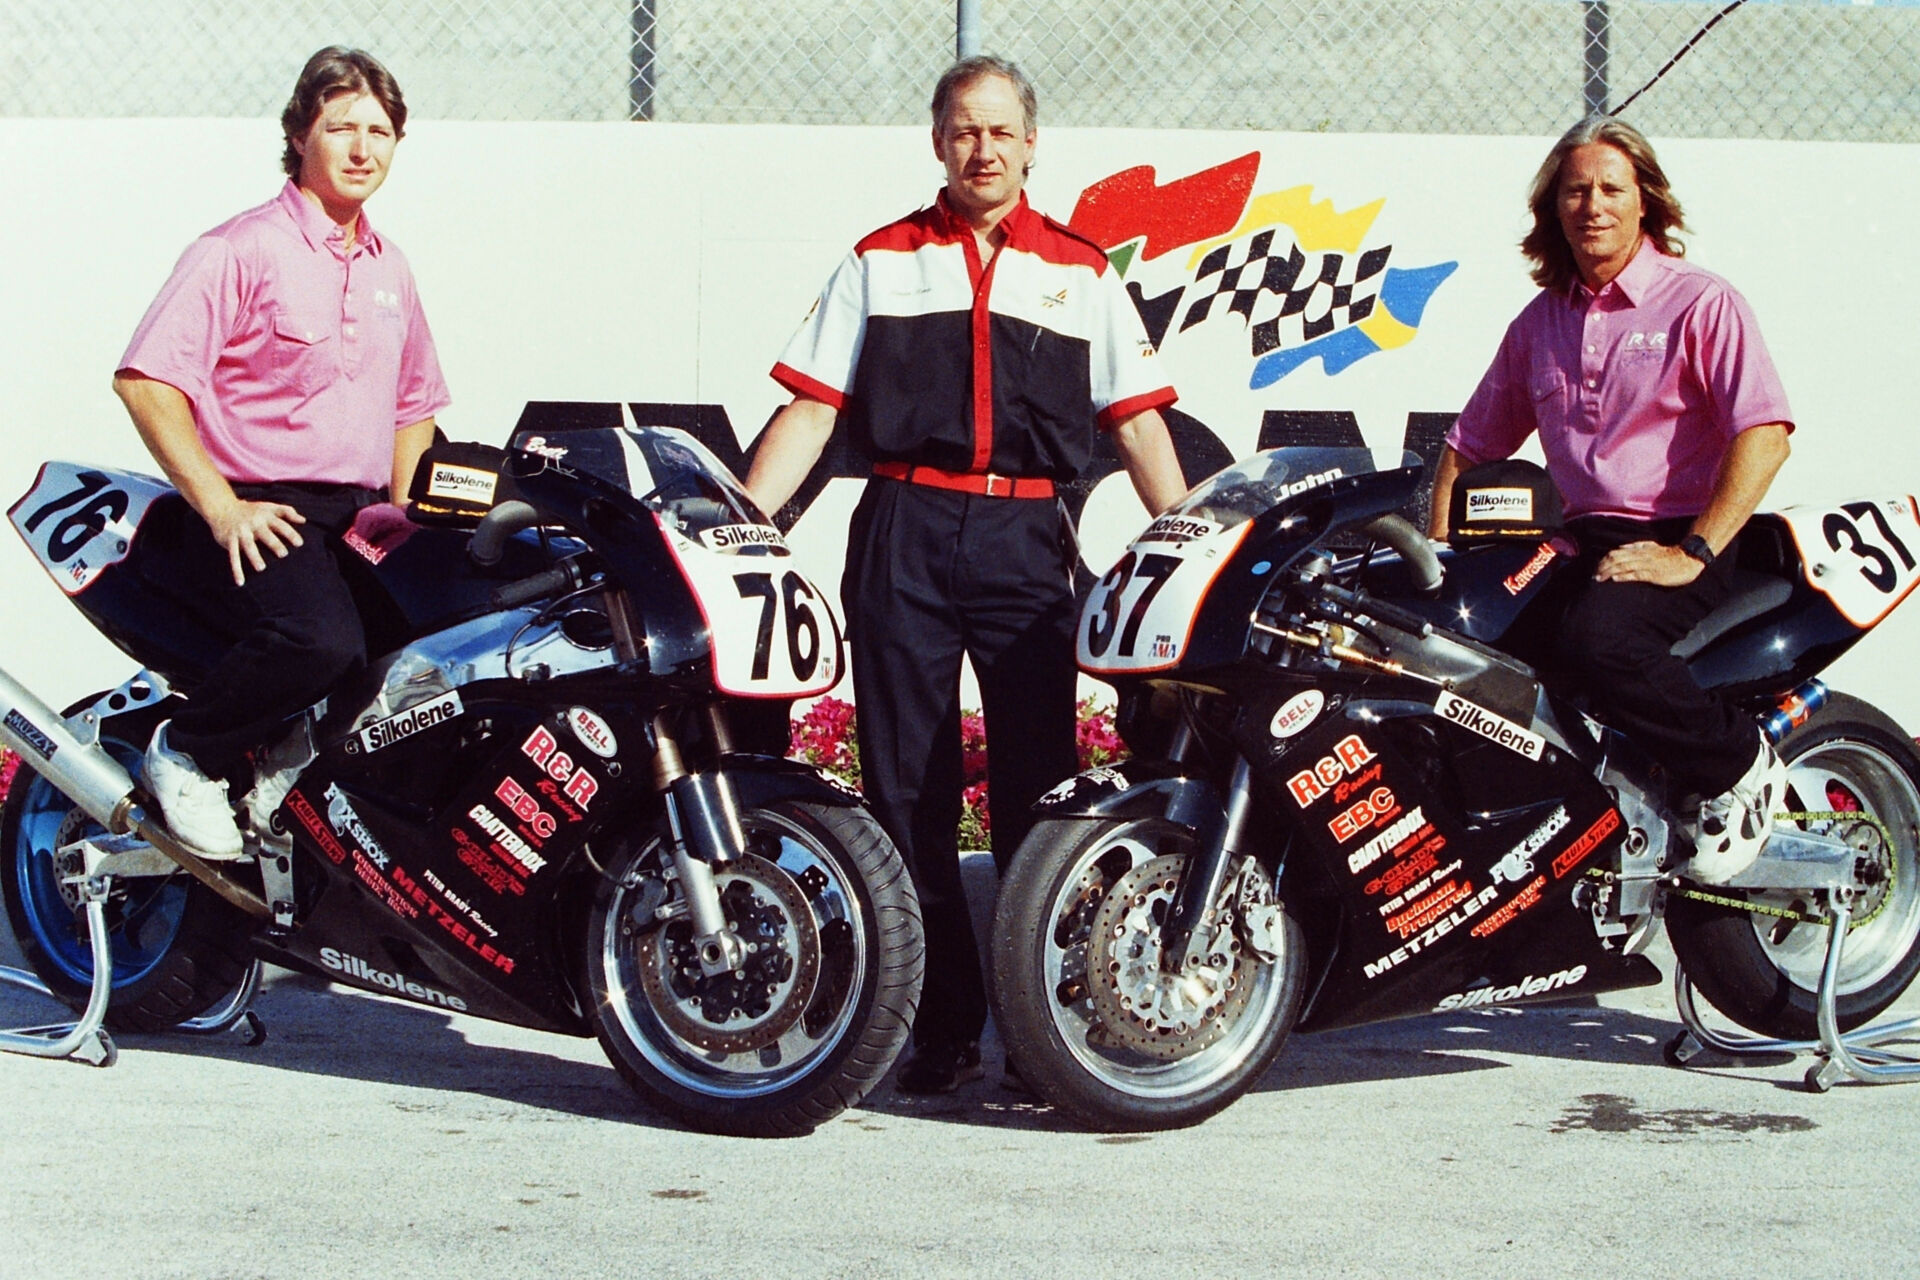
[(1546, 244), (967, 70), (334, 70)]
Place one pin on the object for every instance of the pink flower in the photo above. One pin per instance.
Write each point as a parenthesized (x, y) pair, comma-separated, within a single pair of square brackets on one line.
[(9, 765)]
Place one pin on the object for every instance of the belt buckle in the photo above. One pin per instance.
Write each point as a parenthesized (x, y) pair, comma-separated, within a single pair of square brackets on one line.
[(993, 480)]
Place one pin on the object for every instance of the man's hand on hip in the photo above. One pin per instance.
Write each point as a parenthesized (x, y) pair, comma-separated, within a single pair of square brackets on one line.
[(1649, 562), (243, 528)]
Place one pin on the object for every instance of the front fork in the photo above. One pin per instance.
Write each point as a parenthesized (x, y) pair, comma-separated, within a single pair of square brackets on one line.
[(1192, 927), (704, 816)]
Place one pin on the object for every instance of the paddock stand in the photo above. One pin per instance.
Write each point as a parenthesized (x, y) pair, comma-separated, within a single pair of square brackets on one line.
[(102, 858), (1857, 1054)]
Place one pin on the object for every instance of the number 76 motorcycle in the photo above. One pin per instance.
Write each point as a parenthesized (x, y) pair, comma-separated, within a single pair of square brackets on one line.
[(556, 800), (1346, 805)]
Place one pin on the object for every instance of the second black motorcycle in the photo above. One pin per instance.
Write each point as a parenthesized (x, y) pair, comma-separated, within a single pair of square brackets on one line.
[(1347, 804)]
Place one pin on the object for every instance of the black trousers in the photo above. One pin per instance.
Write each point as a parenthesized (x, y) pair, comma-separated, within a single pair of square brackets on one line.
[(294, 626), (932, 575), (1616, 639)]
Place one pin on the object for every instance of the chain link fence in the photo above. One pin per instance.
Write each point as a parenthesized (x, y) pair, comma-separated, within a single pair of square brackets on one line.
[(1794, 69)]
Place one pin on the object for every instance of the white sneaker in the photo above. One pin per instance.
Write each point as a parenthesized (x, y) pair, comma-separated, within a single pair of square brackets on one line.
[(195, 806), (1734, 825), (274, 774)]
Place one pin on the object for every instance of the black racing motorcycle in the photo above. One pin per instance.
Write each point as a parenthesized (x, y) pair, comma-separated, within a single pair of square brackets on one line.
[(1348, 805), (557, 800)]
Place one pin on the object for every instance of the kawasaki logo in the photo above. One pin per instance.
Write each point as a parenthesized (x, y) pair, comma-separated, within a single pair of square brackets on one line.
[(384, 733)]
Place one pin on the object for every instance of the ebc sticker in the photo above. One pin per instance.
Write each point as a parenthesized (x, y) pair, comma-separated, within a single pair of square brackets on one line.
[(1496, 729), (1297, 713), (78, 521)]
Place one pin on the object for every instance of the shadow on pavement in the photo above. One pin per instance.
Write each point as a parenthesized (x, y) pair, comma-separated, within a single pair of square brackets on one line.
[(320, 1031)]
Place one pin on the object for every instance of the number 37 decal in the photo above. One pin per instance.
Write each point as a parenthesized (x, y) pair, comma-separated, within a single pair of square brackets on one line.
[(1863, 556)]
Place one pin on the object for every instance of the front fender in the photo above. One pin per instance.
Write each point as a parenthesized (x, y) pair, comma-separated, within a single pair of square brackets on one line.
[(1133, 789), (759, 780)]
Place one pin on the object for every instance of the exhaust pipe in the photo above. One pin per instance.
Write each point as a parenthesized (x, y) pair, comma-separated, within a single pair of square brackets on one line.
[(95, 781)]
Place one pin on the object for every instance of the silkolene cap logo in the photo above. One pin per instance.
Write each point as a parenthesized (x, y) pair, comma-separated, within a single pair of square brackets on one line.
[(469, 484), (1500, 504), (596, 734)]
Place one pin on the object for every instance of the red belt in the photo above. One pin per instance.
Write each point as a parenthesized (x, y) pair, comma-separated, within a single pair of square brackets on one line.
[(987, 484)]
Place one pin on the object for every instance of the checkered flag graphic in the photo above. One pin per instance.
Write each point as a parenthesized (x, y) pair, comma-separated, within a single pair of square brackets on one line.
[(1310, 304)]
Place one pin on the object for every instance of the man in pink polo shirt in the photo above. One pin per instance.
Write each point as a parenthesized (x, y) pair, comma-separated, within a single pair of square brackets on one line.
[(284, 379), (1663, 423)]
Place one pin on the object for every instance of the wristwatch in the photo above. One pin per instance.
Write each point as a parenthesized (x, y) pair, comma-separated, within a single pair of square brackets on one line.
[(1696, 546)]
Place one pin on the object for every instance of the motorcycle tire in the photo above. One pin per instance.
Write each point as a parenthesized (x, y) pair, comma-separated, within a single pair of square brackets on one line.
[(814, 1017), (1763, 972), (178, 948), (1076, 986)]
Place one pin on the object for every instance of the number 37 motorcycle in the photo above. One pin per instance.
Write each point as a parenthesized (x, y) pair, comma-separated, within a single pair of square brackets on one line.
[(555, 798), (1346, 804)]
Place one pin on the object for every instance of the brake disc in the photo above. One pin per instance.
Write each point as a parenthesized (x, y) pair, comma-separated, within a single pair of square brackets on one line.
[(1140, 1008), (748, 1008)]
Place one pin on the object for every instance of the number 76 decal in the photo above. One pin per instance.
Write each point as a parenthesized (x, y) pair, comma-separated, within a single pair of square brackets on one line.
[(1864, 556)]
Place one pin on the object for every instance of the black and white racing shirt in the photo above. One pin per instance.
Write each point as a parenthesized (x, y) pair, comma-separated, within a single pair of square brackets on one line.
[(1006, 366)]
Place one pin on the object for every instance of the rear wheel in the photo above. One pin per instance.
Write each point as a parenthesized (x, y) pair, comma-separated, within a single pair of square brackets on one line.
[(1763, 971), (1080, 999), (177, 947), (817, 1012)]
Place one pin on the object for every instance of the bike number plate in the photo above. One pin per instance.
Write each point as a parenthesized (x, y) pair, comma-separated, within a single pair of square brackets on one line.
[(1864, 556), (773, 633), (79, 520), (1140, 614)]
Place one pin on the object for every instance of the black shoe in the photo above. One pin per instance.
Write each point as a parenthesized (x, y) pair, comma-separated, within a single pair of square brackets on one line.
[(941, 1066)]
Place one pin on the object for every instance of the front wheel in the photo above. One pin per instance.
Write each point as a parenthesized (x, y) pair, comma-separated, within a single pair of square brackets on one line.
[(1763, 971), (1081, 1001), (814, 1016)]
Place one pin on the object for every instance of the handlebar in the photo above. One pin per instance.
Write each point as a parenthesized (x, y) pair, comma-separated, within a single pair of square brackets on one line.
[(490, 535), (564, 576), (1415, 551)]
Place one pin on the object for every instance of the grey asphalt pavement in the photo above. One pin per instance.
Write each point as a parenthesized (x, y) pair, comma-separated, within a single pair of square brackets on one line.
[(368, 1137)]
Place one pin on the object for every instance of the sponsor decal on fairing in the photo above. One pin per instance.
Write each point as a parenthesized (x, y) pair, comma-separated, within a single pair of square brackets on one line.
[(395, 728), (1527, 986), (1349, 755), (354, 967), (1297, 713), (1494, 728)]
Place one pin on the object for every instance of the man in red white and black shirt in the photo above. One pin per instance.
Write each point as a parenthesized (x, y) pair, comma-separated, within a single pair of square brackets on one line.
[(973, 349)]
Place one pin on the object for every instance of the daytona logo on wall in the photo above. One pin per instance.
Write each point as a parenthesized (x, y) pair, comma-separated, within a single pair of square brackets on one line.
[(1303, 279)]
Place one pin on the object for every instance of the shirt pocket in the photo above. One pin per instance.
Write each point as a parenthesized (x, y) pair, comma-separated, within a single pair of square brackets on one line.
[(305, 355), (1552, 397)]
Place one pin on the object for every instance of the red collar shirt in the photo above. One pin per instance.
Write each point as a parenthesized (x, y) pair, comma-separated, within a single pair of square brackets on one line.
[(1636, 391), (301, 358), (1005, 366)]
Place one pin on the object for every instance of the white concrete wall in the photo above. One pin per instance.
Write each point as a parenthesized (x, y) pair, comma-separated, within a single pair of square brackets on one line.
[(670, 263)]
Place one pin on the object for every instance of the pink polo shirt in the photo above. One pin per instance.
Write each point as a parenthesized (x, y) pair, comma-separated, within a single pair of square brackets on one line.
[(301, 359), (1636, 391)]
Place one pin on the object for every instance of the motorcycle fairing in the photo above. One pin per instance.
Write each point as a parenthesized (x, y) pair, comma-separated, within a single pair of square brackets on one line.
[(457, 833), (79, 520), (1434, 888)]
